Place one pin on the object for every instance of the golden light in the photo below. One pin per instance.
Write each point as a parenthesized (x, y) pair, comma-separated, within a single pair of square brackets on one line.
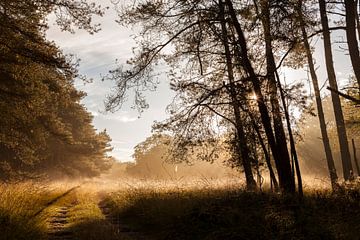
[(253, 96)]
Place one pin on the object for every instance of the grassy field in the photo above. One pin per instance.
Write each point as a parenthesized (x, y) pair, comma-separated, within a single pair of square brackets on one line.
[(174, 210)]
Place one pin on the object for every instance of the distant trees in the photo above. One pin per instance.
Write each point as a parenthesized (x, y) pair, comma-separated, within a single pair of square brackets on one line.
[(44, 127), (153, 160)]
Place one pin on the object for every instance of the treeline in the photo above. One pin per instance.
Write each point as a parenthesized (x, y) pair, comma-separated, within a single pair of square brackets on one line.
[(224, 58), (45, 130), (153, 160)]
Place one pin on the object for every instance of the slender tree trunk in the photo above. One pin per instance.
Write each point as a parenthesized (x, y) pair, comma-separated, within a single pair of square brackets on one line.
[(286, 184), (350, 9), (340, 124), (355, 158), (240, 134), (265, 151), (274, 98), (294, 155), (266, 154), (324, 134), (357, 17)]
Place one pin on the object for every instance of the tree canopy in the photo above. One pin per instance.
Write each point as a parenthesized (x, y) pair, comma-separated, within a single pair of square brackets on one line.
[(44, 127)]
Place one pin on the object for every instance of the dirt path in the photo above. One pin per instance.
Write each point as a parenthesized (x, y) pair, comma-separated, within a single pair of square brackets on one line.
[(77, 215), (58, 229)]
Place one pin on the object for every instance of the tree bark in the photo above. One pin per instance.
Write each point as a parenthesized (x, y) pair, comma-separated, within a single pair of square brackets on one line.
[(350, 18), (266, 154), (339, 118), (357, 17), (240, 133), (355, 158), (286, 182), (274, 99), (324, 134)]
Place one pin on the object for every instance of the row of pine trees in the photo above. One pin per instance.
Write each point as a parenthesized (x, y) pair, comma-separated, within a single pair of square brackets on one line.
[(45, 131)]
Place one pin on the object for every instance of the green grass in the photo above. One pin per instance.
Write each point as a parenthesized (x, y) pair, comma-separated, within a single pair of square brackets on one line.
[(232, 214)]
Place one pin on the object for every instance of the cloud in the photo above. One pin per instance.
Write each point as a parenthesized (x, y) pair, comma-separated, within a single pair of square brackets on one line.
[(126, 119), (120, 118), (94, 113)]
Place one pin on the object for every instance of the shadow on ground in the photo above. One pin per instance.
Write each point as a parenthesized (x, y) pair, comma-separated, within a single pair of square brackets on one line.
[(239, 215)]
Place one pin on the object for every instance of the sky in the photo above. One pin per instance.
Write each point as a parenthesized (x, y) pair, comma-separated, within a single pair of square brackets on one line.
[(98, 54)]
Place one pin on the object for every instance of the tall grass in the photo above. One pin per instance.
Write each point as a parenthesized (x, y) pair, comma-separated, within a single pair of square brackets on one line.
[(231, 213), (24, 210), (198, 209), (18, 205)]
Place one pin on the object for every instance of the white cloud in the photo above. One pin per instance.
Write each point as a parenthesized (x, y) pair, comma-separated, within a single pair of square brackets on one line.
[(94, 113), (120, 117), (126, 119)]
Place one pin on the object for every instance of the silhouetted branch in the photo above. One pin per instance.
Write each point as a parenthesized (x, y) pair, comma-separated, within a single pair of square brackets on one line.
[(348, 97)]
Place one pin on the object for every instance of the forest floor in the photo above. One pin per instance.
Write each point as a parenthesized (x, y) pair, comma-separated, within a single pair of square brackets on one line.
[(153, 210)]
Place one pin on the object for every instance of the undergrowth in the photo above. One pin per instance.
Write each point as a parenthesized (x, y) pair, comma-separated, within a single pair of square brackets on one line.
[(236, 214), (175, 211)]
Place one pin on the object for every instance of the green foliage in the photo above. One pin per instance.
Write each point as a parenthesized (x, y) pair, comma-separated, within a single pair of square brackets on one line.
[(44, 127)]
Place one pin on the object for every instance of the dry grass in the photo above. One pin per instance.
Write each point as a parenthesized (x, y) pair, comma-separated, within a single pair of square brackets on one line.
[(197, 209), (19, 205), (227, 212), (86, 220)]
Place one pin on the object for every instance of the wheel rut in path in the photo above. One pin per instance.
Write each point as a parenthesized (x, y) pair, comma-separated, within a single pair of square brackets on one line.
[(58, 229)]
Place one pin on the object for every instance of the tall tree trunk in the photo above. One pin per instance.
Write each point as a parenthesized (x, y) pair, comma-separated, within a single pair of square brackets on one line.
[(282, 164), (357, 17), (274, 98), (355, 157), (350, 9), (340, 124), (240, 134), (324, 134), (294, 155), (266, 153)]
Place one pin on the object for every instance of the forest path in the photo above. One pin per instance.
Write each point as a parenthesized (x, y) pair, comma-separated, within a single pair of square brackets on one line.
[(59, 213), (58, 224), (82, 213)]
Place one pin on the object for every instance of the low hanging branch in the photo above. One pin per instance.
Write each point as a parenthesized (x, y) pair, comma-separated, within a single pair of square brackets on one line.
[(346, 96)]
